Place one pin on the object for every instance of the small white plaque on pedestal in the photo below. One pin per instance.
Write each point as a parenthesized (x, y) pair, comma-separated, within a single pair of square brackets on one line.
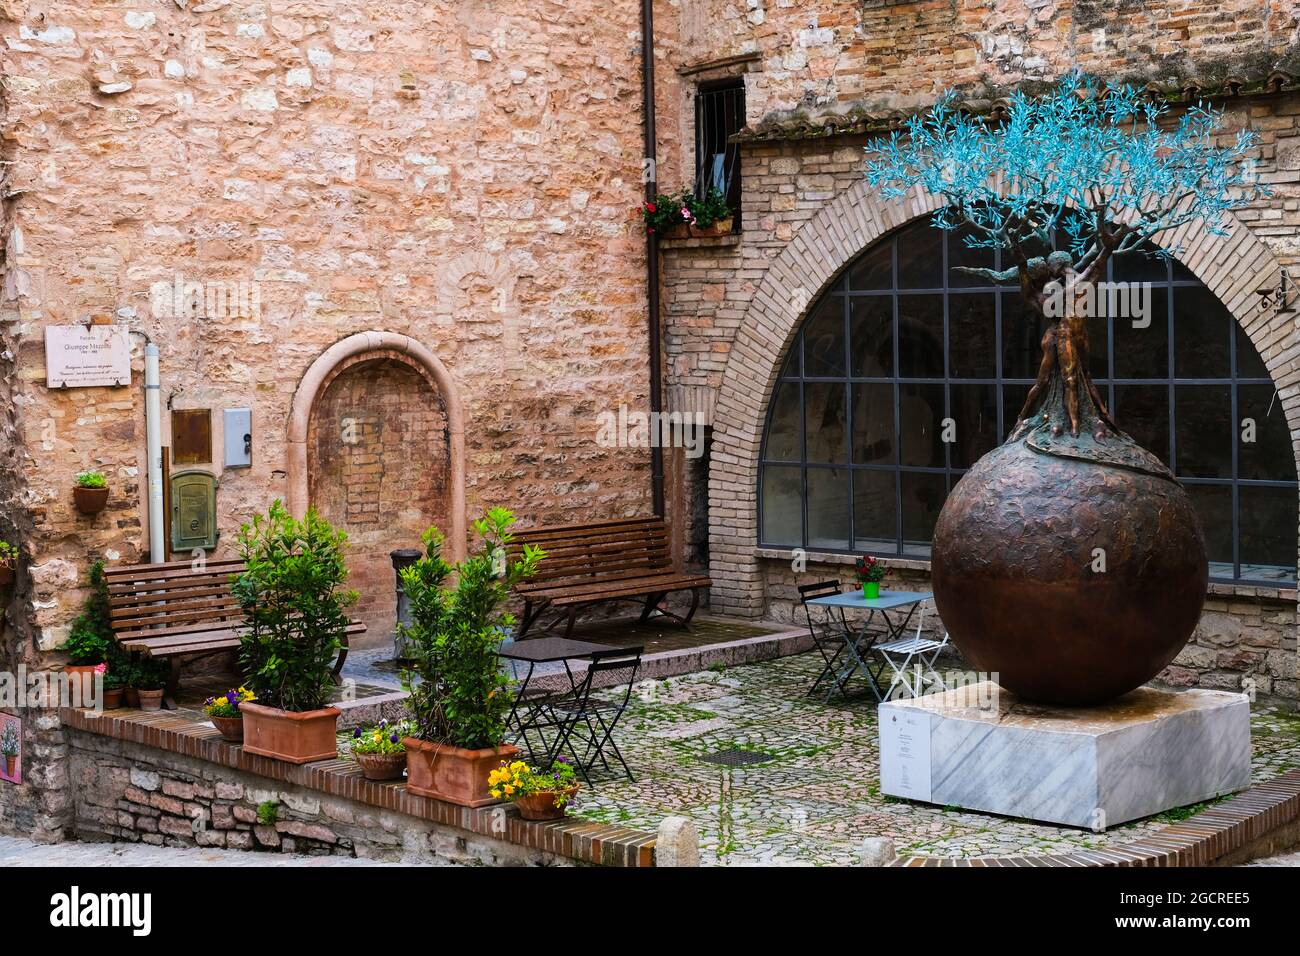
[(905, 754)]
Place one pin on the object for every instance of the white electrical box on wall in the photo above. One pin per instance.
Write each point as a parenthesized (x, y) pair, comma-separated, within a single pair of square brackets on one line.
[(237, 437)]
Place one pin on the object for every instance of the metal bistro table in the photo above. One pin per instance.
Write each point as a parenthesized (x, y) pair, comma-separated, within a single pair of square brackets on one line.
[(544, 650), (858, 646)]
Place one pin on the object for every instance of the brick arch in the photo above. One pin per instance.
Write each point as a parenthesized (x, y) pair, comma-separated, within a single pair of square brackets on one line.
[(1233, 267), (356, 349)]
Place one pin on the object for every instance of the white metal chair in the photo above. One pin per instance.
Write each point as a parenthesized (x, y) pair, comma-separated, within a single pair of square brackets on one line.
[(915, 652)]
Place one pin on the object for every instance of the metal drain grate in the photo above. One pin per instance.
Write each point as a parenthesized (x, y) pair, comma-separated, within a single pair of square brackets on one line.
[(736, 758)]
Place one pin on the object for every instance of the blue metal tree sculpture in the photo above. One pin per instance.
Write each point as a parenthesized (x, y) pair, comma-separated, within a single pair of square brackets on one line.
[(1093, 164), (1068, 561)]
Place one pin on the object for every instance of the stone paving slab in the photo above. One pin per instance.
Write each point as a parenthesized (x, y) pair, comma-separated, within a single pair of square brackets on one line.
[(818, 797)]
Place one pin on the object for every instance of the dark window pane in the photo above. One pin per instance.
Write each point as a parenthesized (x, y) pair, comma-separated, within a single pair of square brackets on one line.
[(823, 339), (1268, 533), (1139, 267), (1013, 399), (825, 423), (1181, 273), (1204, 430), (1144, 352), (923, 496), (1143, 412), (1249, 364), (1269, 456), (873, 425), (1022, 337), (874, 510), (920, 258), (828, 507), (975, 421), (875, 270), (920, 409), (782, 505), (959, 254), (920, 336), (1201, 330), (871, 334), (1098, 343), (783, 427), (1214, 505), (972, 351), (791, 367)]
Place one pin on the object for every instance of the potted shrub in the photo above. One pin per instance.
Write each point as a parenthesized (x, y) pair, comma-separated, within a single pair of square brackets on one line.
[(90, 492), (462, 698), (224, 712), (870, 572), (666, 217), (8, 557), (539, 795), (379, 751), (150, 679), (293, 597), (130, 673), (710, 215), (114, 688), (9, 748), (90, 645)]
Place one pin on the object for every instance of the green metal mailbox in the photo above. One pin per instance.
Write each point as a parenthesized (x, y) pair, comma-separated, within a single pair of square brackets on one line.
[(194, 510)]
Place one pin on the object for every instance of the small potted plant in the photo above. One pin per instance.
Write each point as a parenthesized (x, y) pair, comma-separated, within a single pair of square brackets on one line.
[(90, 492), (709, 215), (8, 557), (294, 601), (666, 217), (9, 748), (130, 673), (90, 641), (870, 572), (150, 680), (379, 751), (224, 712), (539, 795), (463, 698), (114, 688)]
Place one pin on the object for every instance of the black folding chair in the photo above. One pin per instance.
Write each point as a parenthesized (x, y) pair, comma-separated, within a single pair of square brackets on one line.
[(826, 626), (582, 720)]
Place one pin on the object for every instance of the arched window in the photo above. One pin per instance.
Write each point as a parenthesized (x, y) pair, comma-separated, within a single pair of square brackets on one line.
[(905, 372)]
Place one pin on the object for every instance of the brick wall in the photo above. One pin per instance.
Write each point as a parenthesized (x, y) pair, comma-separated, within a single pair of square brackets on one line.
[(379, 467)]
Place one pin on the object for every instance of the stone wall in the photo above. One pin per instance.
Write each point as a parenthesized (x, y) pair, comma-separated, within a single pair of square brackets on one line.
[(126, 792)]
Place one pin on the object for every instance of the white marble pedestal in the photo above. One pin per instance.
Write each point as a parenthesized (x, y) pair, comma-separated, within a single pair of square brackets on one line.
[(981, 749)]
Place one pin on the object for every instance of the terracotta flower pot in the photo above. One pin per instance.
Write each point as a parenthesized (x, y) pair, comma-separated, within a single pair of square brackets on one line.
[(90, 501), (6, 572), (11, 764), (84, 676), (451, 773), (113, 698), (541, 805), (381, 766), (721, 227), (288, 735), (232, 728), (132, 697), (678, 231), (151, 699)]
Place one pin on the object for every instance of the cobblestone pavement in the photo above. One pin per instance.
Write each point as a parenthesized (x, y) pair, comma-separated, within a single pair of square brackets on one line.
[(818, 796), (15, 851)]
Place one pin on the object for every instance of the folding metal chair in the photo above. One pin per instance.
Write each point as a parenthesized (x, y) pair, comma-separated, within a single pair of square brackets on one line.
[(918, 651), (827, 628), (579, 719)]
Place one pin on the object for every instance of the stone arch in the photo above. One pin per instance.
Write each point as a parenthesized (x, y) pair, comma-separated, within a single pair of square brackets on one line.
[(345, 353), (1232, 266)]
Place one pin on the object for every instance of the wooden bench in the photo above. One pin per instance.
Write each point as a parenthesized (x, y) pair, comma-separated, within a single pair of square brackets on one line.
[(177, 610), (589, 564)]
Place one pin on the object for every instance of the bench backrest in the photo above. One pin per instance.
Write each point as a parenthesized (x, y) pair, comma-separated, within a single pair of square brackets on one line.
[(174, 596), (609, 550)]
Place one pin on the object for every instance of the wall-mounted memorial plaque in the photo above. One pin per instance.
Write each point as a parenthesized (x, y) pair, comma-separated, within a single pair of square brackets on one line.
[(79, 356)]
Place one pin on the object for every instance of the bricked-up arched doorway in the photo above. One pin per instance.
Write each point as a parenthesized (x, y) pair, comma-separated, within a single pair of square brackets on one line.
[(376, 444)]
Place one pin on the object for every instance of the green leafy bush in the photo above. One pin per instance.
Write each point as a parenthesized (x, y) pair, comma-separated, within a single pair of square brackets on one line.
[(90, 638), (463, 698), (7, 552), (149, 674), (709, 209), (293, 597), (91, 479)]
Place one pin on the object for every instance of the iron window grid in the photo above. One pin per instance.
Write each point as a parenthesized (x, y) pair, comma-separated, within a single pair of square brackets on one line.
[(720, 114), (908, 549)]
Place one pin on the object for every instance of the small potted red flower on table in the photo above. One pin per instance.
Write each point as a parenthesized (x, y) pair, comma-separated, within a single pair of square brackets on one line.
[(870, 572)]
